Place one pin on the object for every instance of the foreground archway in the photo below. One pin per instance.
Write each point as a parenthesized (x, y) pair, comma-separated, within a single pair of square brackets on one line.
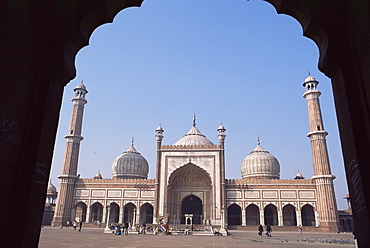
[(342, 37), (96, 212), (289, 215), (129, 213), (146, 213)]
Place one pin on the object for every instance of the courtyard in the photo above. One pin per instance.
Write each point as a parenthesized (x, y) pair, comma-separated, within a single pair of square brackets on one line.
[(94, 237)]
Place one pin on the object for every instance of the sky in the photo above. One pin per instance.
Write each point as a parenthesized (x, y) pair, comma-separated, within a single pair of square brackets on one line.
[(237, 62)]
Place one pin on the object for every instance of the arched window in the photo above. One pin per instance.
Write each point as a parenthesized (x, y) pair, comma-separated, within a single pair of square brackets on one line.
[(80, 212)]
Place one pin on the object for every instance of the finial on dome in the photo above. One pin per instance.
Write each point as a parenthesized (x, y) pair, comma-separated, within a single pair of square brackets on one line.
[(258, 140), (194, 119), (132, 141), (309, 73)]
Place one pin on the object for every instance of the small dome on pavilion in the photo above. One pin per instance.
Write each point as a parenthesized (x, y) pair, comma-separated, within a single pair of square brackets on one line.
[(299, 175), (98, 176)]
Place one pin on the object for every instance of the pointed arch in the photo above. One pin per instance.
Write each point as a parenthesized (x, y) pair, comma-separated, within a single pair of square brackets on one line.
[(146, 213), (80, 214), (190, 175), (96, 212), (252, 215), (129, 212), (308, 215), (289, 215), (234, 214), (270, 213), (113, 213)]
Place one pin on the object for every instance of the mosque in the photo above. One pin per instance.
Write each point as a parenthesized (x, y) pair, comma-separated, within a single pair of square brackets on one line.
[(190, 185)]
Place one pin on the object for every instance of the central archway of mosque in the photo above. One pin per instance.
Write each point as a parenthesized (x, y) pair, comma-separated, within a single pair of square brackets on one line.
[(189, 192)]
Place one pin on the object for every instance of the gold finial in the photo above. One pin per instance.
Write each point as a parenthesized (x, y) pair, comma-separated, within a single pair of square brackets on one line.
[(132, 141), (258, 140), (194, 119), (309, 73)]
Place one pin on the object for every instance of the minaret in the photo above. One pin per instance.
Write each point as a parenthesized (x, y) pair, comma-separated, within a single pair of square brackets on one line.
[(69, 170), (326, 202), (159, 137), (221, 137)]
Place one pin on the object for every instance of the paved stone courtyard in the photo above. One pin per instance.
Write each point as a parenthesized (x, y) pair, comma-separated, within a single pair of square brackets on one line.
[(93, 237)]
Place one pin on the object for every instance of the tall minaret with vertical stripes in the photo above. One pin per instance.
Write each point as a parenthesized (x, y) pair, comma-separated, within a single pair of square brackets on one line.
[(68, 176), (326, 202)]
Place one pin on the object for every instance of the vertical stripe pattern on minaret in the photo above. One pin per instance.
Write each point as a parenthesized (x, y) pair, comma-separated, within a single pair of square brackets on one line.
[(326, 202), (69, 170)]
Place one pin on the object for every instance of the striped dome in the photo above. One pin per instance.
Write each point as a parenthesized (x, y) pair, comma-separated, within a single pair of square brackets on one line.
[(260, 164), (130, 164)]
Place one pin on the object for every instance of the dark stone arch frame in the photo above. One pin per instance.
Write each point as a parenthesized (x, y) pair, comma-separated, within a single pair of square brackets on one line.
[(44, 50)]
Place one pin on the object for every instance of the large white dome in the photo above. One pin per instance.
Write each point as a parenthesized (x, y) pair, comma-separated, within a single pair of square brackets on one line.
[(130, 164), (260, 164), (193, 137)]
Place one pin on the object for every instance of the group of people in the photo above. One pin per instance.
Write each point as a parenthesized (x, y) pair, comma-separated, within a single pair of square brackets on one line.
[(268, 230), (74, 225)]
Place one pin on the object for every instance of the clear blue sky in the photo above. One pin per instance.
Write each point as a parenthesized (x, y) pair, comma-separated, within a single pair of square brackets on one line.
[(237, 62)]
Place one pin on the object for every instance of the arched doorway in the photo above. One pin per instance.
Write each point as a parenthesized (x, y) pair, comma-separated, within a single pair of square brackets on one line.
[(114, 213), (129, 212), (96, 212), (308, 215), (289, 215), (234, 215), (80, 214), (252, 215), (271, 217), (191, 205), (183, 182), (146, 213)]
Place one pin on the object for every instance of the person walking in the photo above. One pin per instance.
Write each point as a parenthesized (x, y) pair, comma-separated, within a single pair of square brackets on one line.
[(260, 230), (144, 227), (126, 226), (269, 231), (300, 229), (80, 226)]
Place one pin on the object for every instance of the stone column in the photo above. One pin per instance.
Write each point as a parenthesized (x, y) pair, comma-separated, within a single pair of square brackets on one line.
[(88, 215), (244, 220), (317, 218), (104, 219), (280, 218), (138, 216), (121, 213), (262, 218), (299, 217)]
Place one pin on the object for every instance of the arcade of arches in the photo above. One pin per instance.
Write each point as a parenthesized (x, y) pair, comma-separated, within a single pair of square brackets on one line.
[(269, 215)]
